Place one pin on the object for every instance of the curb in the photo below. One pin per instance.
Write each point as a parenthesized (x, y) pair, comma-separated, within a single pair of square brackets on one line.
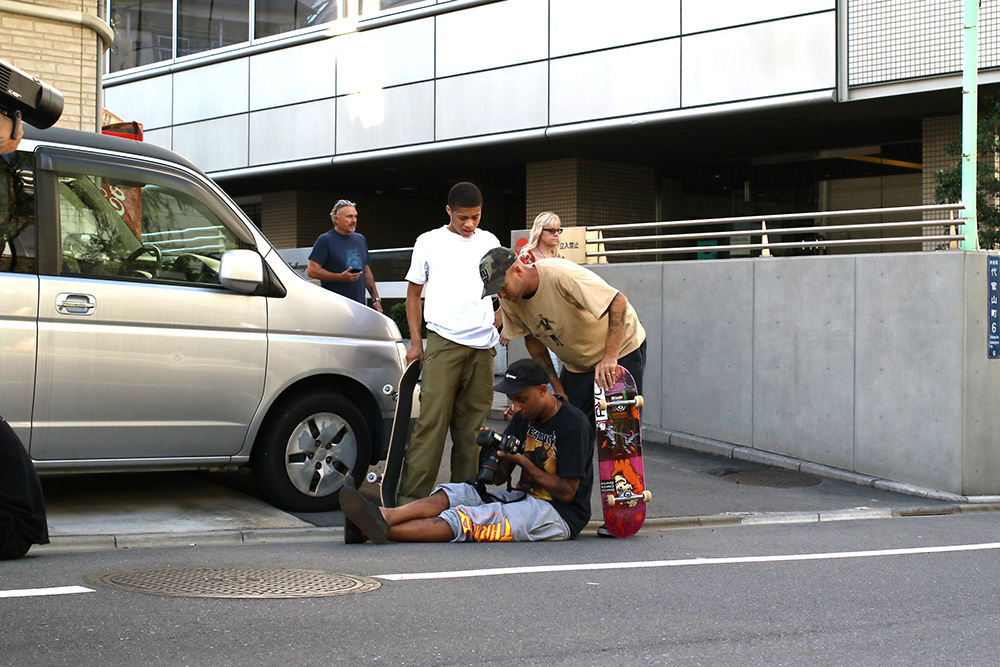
[(726, 450), (71, 543), (213, 538)]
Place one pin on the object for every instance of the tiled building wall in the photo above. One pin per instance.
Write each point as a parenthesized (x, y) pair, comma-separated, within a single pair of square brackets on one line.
[(552, 186), (939, 132), (589, 192), (906, 39), (309, 213), (60, 54)]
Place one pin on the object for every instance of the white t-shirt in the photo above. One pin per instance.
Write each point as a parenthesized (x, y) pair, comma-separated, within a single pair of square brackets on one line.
[(454, 306)]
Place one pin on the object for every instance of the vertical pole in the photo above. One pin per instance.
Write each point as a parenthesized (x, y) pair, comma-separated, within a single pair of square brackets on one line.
[(970, 113)]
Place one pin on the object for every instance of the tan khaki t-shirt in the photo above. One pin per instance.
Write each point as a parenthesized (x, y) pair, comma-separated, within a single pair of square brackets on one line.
[(569, 315)]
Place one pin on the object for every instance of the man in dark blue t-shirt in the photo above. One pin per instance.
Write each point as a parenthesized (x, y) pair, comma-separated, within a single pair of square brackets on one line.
[(339, 258)]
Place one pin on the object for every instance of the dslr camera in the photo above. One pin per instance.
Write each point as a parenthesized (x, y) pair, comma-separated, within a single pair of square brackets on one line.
[(24, 97), (489, 461)]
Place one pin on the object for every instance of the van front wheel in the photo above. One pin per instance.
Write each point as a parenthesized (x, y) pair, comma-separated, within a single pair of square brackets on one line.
[(308, 450)]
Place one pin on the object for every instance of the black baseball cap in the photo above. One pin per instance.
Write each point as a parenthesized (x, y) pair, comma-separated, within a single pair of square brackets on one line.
[(521, 375)]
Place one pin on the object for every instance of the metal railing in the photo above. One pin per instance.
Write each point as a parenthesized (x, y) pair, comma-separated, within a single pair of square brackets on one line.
[(815, 241)]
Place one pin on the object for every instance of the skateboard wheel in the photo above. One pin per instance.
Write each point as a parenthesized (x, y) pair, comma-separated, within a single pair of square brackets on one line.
[(602, 404), (638, 401), (611, 500), (647, 496)]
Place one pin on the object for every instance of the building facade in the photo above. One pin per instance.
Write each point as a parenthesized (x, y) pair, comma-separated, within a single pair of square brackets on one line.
[(631, 111), (61, 42)]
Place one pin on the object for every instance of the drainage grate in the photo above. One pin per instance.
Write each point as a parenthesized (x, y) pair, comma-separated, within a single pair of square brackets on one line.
[(234, 582), (775, 479)]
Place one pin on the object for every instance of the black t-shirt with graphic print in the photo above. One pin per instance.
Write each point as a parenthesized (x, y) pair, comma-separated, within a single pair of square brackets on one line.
[(563, 446)]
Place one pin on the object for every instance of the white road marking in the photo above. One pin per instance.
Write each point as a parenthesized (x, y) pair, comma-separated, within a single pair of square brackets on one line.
[(635, 565), (34, 592)]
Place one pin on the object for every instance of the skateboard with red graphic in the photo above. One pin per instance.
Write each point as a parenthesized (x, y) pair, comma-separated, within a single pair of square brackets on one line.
[(619, 455)]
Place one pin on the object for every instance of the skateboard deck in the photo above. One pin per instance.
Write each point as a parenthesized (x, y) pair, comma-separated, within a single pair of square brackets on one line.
[(619, 455), (398, 437)]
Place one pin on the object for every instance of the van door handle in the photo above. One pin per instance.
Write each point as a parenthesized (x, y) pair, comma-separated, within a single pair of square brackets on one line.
[(75, 304)]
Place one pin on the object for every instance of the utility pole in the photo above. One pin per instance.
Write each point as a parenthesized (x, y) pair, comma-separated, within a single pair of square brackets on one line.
[(970, 121)]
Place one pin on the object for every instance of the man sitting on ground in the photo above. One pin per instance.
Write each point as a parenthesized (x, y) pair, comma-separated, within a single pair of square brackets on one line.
[(551, 500)]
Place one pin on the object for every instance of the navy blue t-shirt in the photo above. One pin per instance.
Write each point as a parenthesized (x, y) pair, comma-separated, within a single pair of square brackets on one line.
[(335, 253)]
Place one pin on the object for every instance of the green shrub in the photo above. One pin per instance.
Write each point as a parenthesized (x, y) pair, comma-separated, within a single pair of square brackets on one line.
[(398, 315)]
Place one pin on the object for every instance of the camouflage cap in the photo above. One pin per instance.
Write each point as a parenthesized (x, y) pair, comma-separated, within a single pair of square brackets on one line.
[(493, 269)]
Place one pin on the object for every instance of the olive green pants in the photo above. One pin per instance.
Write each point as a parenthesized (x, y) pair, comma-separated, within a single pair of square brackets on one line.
[(456, 392)]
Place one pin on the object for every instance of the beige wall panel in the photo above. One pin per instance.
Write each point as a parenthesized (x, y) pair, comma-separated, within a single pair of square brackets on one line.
[(296, 74), (390, 56), (493, 35), (214, 145), (619, 82), (763, 60), (701, 15), (385, 118), (481, 103), (589, 25), (293, 133)]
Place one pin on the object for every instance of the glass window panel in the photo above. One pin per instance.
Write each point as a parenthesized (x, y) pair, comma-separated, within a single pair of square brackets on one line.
[(210, 24), (143, 32), (139, 231), (278, 16), (17, 214), (392, 4)]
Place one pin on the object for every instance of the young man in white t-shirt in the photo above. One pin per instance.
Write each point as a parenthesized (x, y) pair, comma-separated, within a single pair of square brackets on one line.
[(457, 387)]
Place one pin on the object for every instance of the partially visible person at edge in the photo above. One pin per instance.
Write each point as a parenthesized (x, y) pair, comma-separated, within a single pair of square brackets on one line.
[(8, 140), (22, 507), (339, 257), (457, 387), (543, 242), (552, 498), (560, 306)]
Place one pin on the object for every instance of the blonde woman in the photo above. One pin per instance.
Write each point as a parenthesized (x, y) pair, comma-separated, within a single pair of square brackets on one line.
[(543, 242)]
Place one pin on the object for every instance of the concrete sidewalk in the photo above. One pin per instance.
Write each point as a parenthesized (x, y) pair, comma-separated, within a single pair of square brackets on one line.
[(699, 483)]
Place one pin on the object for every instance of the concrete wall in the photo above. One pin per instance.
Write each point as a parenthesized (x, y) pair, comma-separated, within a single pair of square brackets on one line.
[(874, 364)]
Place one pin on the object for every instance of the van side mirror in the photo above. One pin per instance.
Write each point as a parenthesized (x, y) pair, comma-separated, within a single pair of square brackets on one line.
[(242, 271)]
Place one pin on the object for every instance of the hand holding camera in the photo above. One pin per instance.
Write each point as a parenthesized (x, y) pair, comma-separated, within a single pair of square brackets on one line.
[(10, 135), (492, 444), (23, 97), (39, 103)]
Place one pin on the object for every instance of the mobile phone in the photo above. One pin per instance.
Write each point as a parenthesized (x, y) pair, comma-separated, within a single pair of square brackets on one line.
[(354, 270)]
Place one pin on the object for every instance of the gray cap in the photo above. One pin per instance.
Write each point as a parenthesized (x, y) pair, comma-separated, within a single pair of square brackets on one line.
[(493, 269)]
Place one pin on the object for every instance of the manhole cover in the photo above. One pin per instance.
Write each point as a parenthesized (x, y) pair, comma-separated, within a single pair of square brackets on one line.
[(234, 582), (775, 479)]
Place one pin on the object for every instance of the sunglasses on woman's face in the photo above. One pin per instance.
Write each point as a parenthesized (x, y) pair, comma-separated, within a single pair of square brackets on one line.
[(554, 231)]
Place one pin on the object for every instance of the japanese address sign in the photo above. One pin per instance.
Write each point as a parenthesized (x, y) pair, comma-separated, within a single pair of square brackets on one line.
[(993, 306)]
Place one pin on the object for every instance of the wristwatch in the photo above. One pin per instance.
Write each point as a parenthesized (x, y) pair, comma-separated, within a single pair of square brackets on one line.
[(378, 298)]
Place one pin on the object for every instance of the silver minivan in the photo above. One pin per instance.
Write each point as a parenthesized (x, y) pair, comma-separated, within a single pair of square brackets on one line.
[(145, 323)]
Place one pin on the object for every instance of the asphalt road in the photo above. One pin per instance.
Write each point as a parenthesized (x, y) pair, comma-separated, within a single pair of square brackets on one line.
[(831, 593)]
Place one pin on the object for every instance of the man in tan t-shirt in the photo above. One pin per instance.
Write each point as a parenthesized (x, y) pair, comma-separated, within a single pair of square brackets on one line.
[(558, 305)]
